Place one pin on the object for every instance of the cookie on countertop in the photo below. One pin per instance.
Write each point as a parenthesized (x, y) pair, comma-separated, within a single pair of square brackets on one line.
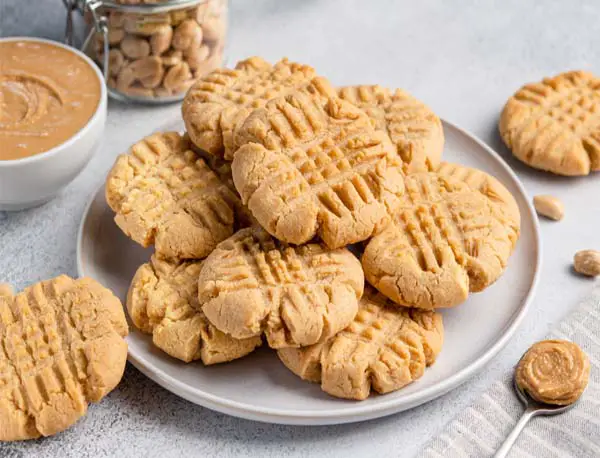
[(163, 301), (384, 349), (219, 102), (252, 284), (447, 239), (412, 127), (312, 166), (164, 195), (61, 347), (554, 125)]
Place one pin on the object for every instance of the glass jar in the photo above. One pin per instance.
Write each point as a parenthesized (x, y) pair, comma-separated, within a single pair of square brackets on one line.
[(152, 50)]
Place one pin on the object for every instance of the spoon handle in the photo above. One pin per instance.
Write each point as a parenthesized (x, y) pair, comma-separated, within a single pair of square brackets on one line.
[(512, 437)]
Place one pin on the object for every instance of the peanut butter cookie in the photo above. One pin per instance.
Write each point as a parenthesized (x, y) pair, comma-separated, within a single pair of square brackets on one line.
[(164, 194), (411, 126), (163, 301), (385, 348), (252, 284), (554, 125), (554, 372), (222, 168), (447, 239), (61, 347), (491, 188), (220, 101), (312, 166)]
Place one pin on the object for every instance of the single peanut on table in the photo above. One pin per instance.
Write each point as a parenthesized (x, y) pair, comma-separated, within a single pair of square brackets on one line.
[(587, 262), (549, 206)]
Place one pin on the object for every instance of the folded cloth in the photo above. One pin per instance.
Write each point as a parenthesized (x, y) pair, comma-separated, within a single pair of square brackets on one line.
[(480, 430)]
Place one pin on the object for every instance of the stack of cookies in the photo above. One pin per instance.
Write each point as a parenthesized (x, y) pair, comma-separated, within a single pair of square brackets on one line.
[(317, 219)]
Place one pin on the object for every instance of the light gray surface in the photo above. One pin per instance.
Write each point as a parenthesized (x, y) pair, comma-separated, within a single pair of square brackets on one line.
[(462, 58)]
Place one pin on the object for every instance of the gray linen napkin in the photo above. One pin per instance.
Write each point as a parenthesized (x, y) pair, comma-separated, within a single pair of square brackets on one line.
[(481, 428)]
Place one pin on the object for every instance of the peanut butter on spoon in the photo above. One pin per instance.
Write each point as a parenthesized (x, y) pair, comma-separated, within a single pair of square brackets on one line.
[(554, 372), (549, 379)]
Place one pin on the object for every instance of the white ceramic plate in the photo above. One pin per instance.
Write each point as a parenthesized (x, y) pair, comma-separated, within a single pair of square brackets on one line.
[(259, 387)]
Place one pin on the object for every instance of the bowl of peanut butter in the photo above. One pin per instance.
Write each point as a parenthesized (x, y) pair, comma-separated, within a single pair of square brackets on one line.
[(52, 117)]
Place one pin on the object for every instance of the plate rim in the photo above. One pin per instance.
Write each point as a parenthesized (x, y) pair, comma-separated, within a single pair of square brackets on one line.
[(359, 412)]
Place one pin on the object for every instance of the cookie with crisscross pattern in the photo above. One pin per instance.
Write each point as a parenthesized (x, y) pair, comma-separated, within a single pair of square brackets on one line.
[(446, 239), (163, 301), (222, 168), (412, 127), (385, 348), (252, 284), (220, 102), (504, 202), (61, 347), (164, 195), (313, 166), (554, 125)]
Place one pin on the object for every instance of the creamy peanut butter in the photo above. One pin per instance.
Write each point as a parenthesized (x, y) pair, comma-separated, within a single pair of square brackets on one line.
[(554, 372), (47, 94)]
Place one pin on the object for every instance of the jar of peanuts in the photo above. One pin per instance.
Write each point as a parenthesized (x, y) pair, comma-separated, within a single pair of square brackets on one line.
[(153, 50)]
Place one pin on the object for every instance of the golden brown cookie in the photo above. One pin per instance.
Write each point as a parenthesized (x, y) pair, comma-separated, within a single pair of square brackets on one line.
[(554, 125), (447, 239), (313, 166), (163, 301), (220, 101), (385, 348), (411, 126), (61, 347), (491, 188), (164, 194), (253, 284), (222, 168)]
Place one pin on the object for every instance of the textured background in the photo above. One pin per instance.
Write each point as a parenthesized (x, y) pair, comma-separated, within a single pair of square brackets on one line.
[(463, 58)]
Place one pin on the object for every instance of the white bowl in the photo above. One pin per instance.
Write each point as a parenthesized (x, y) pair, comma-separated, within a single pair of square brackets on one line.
[(36, 179)]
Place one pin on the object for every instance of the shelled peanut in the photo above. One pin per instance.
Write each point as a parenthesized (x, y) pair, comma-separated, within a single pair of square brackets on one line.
[(162, 55)]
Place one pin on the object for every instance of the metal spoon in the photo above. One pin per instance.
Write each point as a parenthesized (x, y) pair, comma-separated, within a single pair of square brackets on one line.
[(533, 408)]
